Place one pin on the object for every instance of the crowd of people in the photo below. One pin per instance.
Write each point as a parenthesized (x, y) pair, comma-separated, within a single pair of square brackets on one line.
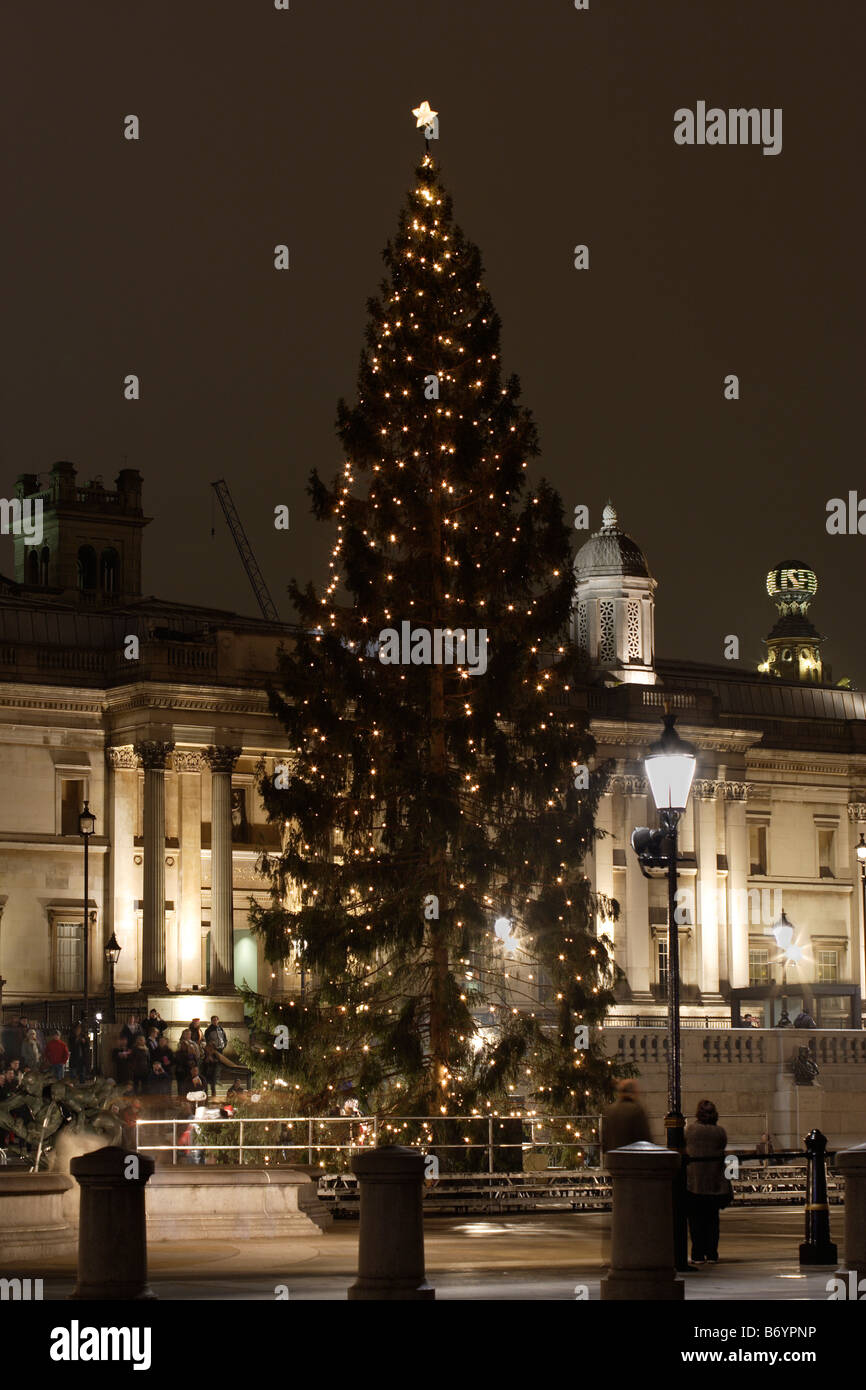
[(144, 1061), (147, 1062)]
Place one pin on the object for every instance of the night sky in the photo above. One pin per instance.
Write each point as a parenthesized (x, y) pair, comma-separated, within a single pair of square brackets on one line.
[(260, 126)]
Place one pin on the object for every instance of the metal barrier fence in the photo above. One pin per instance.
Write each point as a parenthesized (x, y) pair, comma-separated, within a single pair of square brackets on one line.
[(484, 1143), (487, 1142)]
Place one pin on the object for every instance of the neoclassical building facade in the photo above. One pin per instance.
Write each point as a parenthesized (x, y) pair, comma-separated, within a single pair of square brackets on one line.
[(162, 735), (774, 818)]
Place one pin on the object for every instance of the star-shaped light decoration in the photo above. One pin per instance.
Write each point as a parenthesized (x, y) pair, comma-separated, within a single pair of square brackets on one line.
[(424, 114)]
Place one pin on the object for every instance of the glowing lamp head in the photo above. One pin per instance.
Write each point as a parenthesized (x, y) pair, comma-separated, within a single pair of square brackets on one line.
[(861, 849), (670, 768), (86, 821), (784, 934), (502, 928)]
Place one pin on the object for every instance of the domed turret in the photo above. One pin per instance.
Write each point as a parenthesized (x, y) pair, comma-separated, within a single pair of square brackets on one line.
[(793, 646), (613, 618)]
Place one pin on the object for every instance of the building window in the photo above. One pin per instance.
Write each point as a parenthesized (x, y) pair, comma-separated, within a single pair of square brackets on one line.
[(662, 959), (68, 958), (825, 853), (607, 640), (759, 966), (32, 567), (633, 631), (86, 567), (827, 967), (44, 560), (582, 627), (72, 797), (108, 567), (757, 849)]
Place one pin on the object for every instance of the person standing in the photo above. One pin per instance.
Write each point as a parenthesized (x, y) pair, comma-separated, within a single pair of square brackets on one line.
[(139, 1065), (626, 1121), (186, 1056), (56, 1054), (708, 1188), (216, 1034), (31, 1054), (79, 1058)]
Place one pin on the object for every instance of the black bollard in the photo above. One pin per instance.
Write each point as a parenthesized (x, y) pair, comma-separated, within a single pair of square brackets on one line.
[(817, 1248), (112, 1228), (391, 1238)]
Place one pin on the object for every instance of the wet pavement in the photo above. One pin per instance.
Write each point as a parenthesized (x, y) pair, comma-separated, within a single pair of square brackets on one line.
[(538, 1257)]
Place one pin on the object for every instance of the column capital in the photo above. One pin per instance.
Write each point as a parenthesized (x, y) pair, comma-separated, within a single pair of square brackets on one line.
[(706, 788), (153, 753), (736, 791), (222, 758), (628, 784), (188, 761), (123, 756), (857, 811)]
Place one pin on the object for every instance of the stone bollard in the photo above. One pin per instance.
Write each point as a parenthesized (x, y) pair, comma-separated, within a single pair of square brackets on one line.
[(391, 1240), (852, 1165), (817, 1248), (642, 1239), (112, 1230)]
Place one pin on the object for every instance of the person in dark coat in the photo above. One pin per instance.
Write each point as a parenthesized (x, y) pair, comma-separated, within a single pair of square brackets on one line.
[(139, 1065), (79, 1053), (130, 1031), (804, 1020), (706, 1182), (216, 1034), (626, 1121)]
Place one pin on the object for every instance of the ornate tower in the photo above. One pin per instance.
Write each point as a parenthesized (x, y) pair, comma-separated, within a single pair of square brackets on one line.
[(613, 619), (794, 645), (90, 549)]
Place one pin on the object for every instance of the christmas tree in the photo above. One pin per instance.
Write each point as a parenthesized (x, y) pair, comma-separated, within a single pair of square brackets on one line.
[(437, 805)]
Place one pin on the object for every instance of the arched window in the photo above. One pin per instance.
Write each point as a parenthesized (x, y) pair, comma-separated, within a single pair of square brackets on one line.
[(43, 565), (32, 567), (109, 564), (86, 567)]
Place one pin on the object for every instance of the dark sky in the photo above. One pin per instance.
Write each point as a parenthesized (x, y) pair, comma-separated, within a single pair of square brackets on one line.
[(260, 126)]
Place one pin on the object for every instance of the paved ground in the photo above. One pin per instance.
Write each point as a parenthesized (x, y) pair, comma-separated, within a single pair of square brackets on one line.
[(534, 1257)]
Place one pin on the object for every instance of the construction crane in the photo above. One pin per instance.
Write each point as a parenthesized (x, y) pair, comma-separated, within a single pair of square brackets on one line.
[(257, 579)]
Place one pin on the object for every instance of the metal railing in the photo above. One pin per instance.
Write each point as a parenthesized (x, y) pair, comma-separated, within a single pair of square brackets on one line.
[(311, 1139)]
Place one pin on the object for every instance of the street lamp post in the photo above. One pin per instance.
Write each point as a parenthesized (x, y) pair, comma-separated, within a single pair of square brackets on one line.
[(784, 934), (112, 955), (670, 769), (86, 827)]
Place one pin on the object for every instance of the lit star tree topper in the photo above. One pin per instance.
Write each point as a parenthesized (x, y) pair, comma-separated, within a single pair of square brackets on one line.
[(429, 119)]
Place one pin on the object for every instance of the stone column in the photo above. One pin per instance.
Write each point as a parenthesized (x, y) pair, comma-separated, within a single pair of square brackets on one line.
[(642, 1225), (603, 849), (636, 897), (708, 889), (852, 1165), (857, 821), (121, 890), (154, 754), (737, 839), (222, 761), (188, 766)]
